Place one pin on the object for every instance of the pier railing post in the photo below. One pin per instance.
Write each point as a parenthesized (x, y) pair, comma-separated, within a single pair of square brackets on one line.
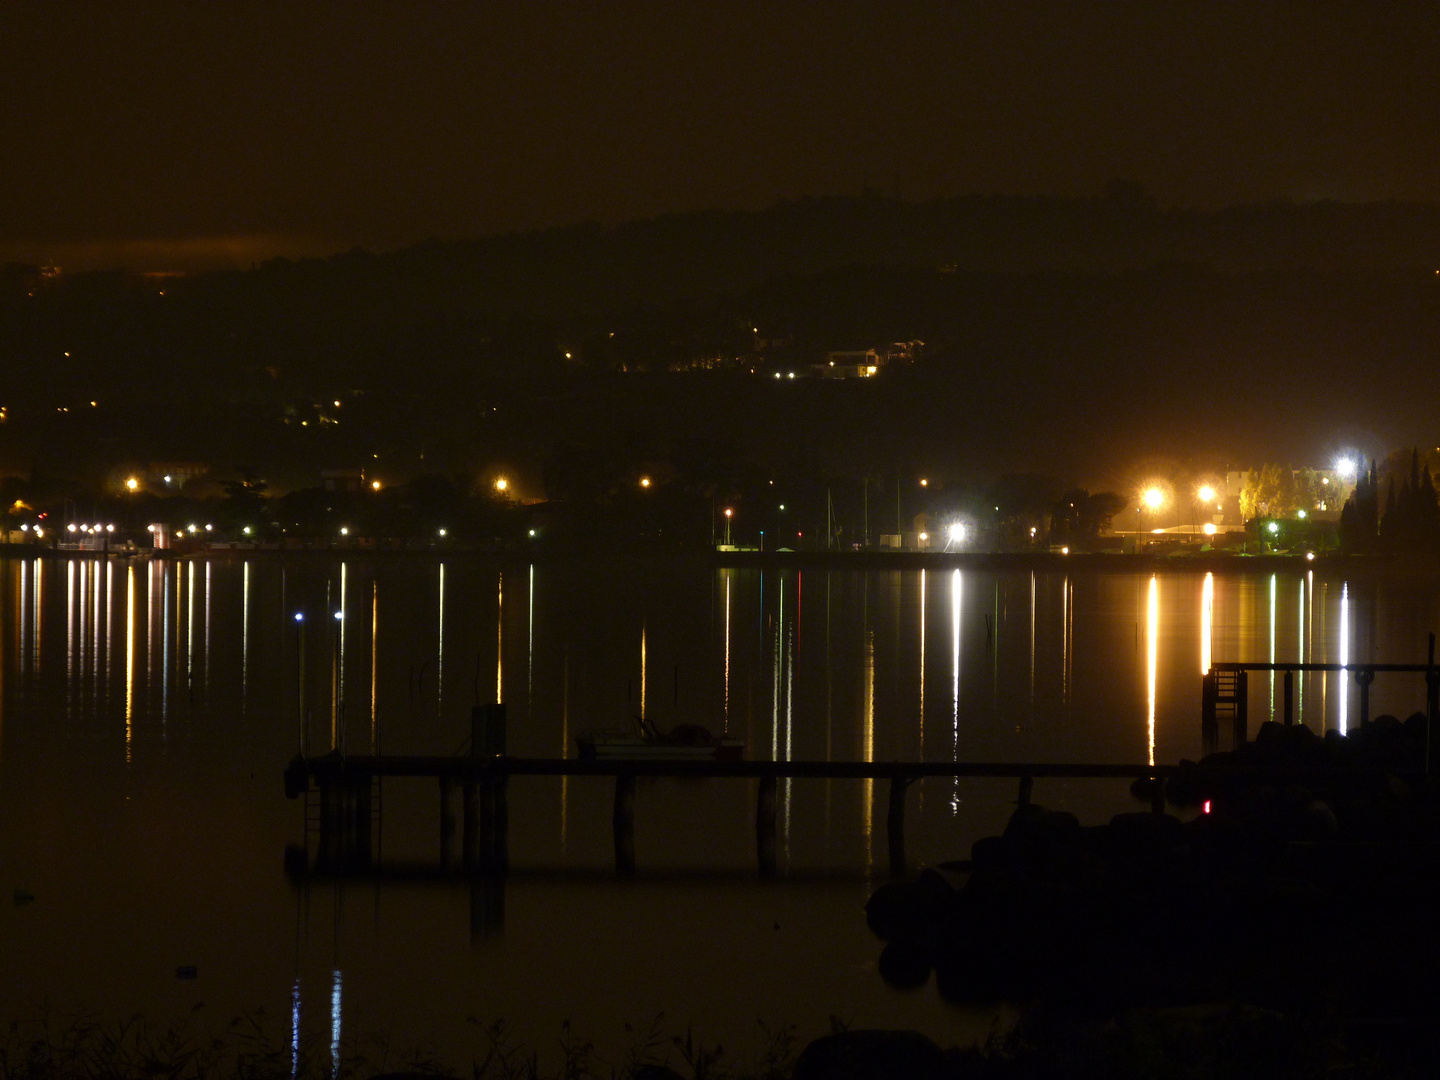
[(487, 731), (765, 826), (895, 826), (623, 821), (1289, 696)]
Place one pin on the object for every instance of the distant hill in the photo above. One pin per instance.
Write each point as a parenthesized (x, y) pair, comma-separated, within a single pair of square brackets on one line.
[(1059, 333), (585, 269)]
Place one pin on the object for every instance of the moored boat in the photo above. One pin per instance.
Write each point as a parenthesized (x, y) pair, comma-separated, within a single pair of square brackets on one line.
[(682, 742)]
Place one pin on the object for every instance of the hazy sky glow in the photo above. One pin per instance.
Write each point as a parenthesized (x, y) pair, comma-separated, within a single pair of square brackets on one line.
[(213, 134)]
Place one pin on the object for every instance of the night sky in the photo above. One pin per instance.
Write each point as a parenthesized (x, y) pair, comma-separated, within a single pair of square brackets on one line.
[(191, 135)]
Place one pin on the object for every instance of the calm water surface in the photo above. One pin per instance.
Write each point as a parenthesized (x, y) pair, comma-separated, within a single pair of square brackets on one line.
[(148, 709)]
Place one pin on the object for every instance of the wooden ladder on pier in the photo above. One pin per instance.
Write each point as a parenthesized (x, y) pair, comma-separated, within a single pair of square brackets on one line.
[(377, 815), (1224, 696)]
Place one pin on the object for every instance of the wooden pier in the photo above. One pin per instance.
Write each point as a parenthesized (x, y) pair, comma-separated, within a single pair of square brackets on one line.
[(1224, 694), (347, 788)]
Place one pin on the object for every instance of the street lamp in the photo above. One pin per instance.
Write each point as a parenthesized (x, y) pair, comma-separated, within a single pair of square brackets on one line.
[(132, 484), (729, 513), (502, 484), (644, 481)]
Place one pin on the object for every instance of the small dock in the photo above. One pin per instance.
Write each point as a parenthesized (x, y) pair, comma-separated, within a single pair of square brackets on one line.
[(344, 805), (1225, 694)]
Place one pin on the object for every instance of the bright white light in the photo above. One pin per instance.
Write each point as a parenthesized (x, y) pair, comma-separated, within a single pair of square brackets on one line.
[(39, 531), (1346, 468), (191, 528), (246, 530), (339, 615), (924, 537), (442, 532), (344, 530), (1210, 528), (150, 528), (209, 528), (1274, 527), (1206, 493), (299, 616), (109, 528), (70, 527), (532, 532), (1064, 551), (1153, 497), (957, 532), (501, 484), (132, 484), (24, 528), (1309, 556), (1300, 514)]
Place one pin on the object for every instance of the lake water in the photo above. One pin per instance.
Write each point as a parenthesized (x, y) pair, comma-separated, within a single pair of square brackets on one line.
[(148, 709)]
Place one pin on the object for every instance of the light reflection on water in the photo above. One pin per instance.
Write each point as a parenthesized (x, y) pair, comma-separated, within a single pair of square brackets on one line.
[(219, 620), (187, 736)]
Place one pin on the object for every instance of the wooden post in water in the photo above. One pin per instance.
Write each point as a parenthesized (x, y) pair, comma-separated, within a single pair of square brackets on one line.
[(447, 821), (1364, 677), (471, 813), (765, 826), (330, 812), (1209, 722), (895, 826), (494, 824), (1432, 702), (623, 821), (359, 830), (488, 847), (1027, 785), (1242, 708), (1289, 697)]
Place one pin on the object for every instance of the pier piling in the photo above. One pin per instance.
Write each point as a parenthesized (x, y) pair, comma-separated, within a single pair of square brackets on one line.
[(623, 820), (447, 821), (895, 826), (765, 826)]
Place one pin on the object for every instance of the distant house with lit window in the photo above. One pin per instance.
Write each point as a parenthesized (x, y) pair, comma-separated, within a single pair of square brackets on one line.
[(850, 364)]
